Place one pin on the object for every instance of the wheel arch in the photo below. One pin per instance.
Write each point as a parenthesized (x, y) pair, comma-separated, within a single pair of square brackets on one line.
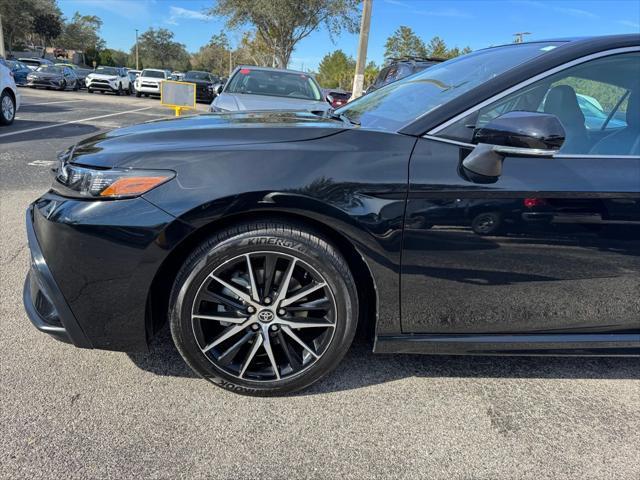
[(159, 291)]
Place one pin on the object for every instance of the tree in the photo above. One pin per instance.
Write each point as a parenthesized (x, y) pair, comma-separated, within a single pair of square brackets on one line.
[(370, 73), (81, 32), (281, 24), (254, 51), (404, 43), (214, 56), (336, 70), (437, 48), (48, 26), (157, 49), (19, 18)]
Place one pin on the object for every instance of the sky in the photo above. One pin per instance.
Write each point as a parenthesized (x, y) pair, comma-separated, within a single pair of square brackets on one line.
[(461, 23)]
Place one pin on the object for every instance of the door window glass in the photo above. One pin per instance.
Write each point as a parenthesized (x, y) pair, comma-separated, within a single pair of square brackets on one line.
[(596, 102)]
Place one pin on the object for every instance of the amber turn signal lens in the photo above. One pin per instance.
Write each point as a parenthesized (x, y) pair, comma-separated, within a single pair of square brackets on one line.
[(132, 186)]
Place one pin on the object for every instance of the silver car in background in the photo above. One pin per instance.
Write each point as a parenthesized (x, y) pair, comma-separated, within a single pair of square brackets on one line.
[(262, 88)]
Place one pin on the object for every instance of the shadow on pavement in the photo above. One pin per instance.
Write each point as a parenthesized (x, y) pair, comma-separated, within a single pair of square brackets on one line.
[(362, 368), (56, 131)]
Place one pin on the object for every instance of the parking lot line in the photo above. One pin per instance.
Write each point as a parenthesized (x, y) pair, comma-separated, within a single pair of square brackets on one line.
[(35, 129), (51, 103)]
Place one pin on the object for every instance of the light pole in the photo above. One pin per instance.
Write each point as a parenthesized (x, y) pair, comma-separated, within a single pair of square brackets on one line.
[(137, 63), (358, 80)]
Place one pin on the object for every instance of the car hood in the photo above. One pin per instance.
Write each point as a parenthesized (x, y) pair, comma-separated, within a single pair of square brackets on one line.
[(247, 102), (46, 75), (159, 144), (199, 82), (103, 76)]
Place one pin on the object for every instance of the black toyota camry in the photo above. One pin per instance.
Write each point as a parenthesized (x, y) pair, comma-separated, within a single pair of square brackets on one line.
[(264, 239)]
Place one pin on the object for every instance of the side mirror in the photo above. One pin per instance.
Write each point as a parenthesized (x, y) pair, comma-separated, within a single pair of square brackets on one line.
[(514, 134), (218, 89), (330, 99)]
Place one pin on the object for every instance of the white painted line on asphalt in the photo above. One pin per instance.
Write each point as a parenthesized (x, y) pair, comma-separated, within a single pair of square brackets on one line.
[(25, 104), (42, 163), (36, 129)]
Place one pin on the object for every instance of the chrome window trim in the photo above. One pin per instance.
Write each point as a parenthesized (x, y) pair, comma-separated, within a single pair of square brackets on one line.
[(558, 155), (529, 81)]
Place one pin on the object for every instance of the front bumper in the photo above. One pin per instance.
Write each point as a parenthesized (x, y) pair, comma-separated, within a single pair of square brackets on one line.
[(101, 85), (93, 264), (44, 83), (45, 305), (148, 88)]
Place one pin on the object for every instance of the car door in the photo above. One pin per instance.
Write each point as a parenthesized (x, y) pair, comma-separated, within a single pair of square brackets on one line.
[(553, 246)]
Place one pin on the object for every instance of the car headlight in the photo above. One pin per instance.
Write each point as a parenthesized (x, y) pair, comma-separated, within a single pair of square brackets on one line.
[(83, 182), (216, 109), (31, 77)]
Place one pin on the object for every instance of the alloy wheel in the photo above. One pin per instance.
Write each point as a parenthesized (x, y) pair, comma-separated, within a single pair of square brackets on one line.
[(264, 316), (8, 109)]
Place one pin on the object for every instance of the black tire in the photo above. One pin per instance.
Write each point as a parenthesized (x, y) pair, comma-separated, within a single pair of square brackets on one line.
[(89, 90), (258, 238), (7, 108), (487, 223), (138, 94), (130, 90), (63, 86), (76, 86)]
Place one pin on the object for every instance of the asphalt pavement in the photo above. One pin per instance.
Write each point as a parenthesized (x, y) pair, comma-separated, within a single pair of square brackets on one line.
[(71, 413)]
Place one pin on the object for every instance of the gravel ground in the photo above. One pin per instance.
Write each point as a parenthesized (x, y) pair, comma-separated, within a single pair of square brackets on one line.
[(71, 413)]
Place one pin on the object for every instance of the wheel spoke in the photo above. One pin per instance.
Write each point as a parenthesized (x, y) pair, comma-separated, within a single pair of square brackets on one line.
[(220, 318), (216, 298), (254, 289), (320, 304), (306, 323), (286, 280), (288, 331), (268, 274), (236, 291), (228, 355), (304, 293), (291, 355), (228, 333), (266, 342), (250, 355)]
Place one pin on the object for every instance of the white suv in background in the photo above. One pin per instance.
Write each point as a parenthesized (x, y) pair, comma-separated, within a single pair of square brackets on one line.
[(9, 95), (108, 79), (148, 83)]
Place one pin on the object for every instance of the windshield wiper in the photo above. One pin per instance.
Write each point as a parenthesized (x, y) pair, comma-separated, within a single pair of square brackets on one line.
[(341, 116)]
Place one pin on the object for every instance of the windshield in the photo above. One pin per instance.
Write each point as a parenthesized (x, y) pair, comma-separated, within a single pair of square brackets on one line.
[(275, 84), (399, 103), (49, 69), (197, 76), (152, 74), (30, 62), (107, 71)]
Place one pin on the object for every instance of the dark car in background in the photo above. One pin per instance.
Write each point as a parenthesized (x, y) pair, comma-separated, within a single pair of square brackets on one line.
[(265, 238), (398, 68), (19, 70), (204, 82), (82, 74), (52, 76), (336, 97), (35, 63)]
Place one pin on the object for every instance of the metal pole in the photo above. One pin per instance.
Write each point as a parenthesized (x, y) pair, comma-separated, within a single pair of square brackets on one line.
[(358, 80), (137, 63), (230, 65), (2, 52)]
